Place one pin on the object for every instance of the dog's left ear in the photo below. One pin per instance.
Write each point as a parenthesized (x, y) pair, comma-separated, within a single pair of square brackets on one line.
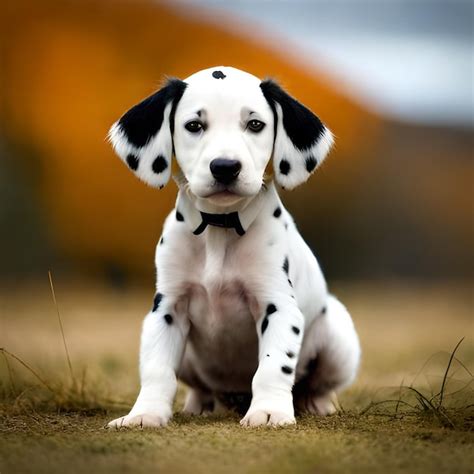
[(301, 140), (143, 137)]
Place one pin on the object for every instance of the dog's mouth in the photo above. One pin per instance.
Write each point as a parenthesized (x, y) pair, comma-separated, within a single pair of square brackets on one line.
[(222, 194), (224, 197)]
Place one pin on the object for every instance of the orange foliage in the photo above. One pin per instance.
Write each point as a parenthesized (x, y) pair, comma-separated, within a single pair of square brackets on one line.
[(70, 69)]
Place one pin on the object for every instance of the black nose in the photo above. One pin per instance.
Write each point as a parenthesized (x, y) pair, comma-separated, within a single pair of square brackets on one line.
[(225, 171)]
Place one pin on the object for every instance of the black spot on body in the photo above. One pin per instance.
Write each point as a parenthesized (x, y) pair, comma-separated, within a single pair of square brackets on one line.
[(277, 212), (302, 126), (218, 75), (156, 301), (264, 324), (159, 164), (290, 354), (286, 265), (324, 310), (132, 162), (168, 319), (271, 308), (295, 329), (287, 370), (290, 283), (144, 120), (311, 163), (162, 240), (179, 216), (285, 167)]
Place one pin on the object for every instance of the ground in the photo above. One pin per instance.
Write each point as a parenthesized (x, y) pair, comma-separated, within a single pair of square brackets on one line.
[(393, 419)]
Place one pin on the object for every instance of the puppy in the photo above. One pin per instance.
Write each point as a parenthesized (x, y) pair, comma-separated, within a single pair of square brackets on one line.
[(242, 314)]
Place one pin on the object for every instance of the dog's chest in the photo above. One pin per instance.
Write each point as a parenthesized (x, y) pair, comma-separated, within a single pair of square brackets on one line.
[(222, 342)]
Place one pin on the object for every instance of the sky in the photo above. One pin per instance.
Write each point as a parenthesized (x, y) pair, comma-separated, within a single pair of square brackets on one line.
[(409, 59)]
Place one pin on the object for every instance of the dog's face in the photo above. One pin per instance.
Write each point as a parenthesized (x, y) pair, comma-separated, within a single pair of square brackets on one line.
[(223, 134), (224, 126)]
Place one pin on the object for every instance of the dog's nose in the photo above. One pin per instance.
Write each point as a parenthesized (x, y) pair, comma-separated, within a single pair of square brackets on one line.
[(224, 170)]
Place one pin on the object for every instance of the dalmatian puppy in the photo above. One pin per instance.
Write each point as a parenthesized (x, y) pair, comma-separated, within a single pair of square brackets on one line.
[(242, 314)]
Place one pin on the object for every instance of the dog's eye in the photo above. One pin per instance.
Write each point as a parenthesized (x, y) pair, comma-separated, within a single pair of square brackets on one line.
[(194, 126), (255, 126)]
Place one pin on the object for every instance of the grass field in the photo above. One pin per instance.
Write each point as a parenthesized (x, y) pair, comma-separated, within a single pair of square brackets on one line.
[(393, 419)]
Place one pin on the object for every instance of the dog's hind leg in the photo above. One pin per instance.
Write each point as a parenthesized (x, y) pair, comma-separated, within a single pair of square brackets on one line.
[(198, 402), (328, 361)]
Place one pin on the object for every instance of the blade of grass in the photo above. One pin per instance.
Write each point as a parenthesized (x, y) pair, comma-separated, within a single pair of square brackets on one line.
[(443, 385), (436, 410), (24, 364), (383, 402), (61, 327), (10, 373)]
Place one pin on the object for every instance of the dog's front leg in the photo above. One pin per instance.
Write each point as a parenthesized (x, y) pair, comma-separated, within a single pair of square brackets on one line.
[(280, 332), (162, 345)]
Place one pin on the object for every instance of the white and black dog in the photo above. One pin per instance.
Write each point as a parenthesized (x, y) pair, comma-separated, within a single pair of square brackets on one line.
[(242, 314)]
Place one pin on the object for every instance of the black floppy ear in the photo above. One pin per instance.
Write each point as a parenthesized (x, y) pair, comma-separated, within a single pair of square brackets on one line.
[(142, 138), (301, 140)]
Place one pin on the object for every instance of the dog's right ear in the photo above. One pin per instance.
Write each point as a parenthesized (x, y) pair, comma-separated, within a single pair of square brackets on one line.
[(143, 137)]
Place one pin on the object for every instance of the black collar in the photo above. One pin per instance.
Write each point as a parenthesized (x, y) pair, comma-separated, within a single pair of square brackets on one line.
[(228, 221), (197, 215)]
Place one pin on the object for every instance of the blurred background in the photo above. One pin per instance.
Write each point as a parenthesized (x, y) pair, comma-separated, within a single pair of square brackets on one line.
[(392, 79), (389, 215)]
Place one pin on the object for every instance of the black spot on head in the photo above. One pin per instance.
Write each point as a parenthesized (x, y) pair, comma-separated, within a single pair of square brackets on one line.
[(277, 212), (268, 355), (162, 240), (290, 354), (285, 167), (156, 301), (287, 370), (132, 162), (144, 120), (286, 225), (311, 163), (179, 216), (290, 283), (295, 329), (168, 318), (218, 75), (264, 324), (286, 265), (271, 308), (159, 164), (324, 310), (302, 126)]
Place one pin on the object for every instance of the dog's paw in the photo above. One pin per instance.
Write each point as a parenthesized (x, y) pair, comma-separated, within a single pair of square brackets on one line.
[(146, 420), (322, 405), (198, 403), (267, 417)]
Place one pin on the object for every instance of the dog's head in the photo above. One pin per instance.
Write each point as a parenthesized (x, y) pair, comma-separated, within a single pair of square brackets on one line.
[(223, 125)]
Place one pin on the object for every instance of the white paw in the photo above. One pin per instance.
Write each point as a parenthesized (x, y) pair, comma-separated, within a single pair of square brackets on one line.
[(146, 420), (267, 417), (197, 403), (322, 406)]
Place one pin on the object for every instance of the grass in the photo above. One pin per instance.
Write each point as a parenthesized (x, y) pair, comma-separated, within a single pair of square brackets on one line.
[(402, 415)]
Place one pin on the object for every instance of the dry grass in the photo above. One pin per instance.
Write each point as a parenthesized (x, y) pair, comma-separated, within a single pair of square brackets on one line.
[(402, 415)]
